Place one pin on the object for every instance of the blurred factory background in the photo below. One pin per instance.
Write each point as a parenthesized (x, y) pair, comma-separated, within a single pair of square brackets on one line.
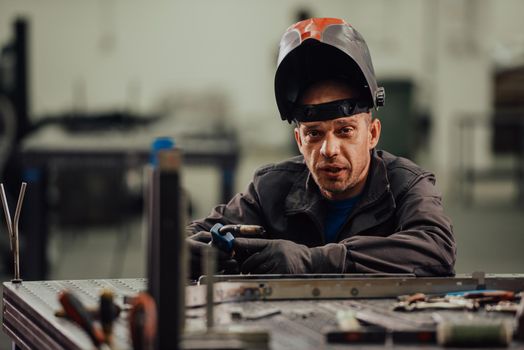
[(86, 86)]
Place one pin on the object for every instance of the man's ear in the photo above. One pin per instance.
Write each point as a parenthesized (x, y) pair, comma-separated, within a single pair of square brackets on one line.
[(374, 133), (298, 139)]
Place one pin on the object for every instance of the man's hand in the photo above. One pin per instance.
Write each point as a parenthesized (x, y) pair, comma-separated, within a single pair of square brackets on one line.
[(261, 256), (197, 244)]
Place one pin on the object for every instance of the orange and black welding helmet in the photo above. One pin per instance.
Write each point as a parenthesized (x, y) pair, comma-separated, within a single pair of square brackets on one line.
[(324, 48)]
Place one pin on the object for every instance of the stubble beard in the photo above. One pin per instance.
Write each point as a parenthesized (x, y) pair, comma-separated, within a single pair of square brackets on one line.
[(333, 187)]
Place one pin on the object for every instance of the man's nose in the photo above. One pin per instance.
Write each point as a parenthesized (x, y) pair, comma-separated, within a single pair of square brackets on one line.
[(330, 146)]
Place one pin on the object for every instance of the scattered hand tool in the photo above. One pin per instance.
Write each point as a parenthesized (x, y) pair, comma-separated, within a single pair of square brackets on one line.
[(107, 314), (442, 304), (253, 316), (503, 306), (143, 322), (12, 228), (94, 312), (223, 236), (392, 321), (409, 299), (76, 311), (468, 300), (485, 296)]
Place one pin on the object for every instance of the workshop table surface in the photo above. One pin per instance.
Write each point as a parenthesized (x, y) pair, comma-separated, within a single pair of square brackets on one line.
[(29, 313)]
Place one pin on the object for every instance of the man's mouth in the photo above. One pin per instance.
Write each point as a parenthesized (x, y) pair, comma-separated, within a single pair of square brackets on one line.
[(332, 170)]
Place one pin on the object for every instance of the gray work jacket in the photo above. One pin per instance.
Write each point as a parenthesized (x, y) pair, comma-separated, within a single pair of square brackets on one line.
[(398, 225)]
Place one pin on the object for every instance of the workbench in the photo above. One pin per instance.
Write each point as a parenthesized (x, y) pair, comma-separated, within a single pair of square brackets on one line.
[(53, 146), (305, 307)]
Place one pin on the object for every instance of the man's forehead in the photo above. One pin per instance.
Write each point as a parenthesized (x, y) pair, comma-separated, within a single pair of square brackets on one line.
[(356, 118)]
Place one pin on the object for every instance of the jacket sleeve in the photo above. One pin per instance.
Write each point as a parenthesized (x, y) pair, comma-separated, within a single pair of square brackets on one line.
[(244, 208), (422, 243)]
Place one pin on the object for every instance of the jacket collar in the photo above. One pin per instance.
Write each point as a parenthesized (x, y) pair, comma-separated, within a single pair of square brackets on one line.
[(305, 194), (377, 183)]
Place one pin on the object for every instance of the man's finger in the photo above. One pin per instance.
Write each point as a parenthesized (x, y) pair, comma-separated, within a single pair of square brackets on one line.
[(202, 236), (260, 263), (245, 247), (229, 267), (197, 249), (224, 266), (249, 265)]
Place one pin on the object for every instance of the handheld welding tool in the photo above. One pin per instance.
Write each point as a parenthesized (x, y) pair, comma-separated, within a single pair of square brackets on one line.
[(223, 236)]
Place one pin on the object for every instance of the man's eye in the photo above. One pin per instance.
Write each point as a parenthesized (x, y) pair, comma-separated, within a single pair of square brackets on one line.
[(313, 133), (346, 130)]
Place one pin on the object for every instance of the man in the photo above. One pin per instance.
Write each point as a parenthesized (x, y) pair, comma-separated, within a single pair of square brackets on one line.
[(343, 206)]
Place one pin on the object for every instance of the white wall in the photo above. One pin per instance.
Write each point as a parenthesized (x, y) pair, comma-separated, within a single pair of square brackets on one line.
[(113, 53)]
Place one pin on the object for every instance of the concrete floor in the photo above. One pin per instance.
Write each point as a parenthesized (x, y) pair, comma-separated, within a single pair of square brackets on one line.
[(489, 234)]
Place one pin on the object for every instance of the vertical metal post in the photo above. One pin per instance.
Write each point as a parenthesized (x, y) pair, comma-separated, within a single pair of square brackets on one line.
[(210, 268), (167, 272), (20, 95)]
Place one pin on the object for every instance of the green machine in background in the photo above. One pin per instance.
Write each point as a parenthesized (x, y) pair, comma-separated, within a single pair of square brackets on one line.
[(399, 123)]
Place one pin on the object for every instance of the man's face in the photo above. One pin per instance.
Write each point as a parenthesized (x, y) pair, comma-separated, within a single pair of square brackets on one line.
[(337, 151)]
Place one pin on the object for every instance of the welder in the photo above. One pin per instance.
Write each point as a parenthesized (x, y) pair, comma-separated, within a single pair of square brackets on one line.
[(342, 206)]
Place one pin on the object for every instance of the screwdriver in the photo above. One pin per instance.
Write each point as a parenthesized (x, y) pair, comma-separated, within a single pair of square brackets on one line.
[(79, 314), (94, 312), (108, 312)]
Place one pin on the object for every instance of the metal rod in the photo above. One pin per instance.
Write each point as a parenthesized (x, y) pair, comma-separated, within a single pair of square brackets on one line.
[(7, 215), (16, 245), (210, 257), (19, 205)]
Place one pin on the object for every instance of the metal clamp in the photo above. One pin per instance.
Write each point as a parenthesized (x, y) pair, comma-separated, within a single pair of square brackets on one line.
[(12, 228)]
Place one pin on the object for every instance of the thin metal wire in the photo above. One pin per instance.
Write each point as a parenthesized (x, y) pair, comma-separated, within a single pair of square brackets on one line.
[(12, 226), (7, 214), (15, 230), (19, 208)]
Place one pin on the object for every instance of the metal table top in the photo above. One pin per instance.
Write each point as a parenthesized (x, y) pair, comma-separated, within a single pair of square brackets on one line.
[(298, 322)]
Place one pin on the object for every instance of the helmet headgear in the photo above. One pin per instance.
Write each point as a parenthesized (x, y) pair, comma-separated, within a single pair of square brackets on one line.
[(318, 49)]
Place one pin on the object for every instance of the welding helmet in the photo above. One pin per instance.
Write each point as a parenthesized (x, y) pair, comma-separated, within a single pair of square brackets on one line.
[(324, 48)]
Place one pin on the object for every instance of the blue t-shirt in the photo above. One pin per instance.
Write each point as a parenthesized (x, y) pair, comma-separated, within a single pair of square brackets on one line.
[(337, 213)]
